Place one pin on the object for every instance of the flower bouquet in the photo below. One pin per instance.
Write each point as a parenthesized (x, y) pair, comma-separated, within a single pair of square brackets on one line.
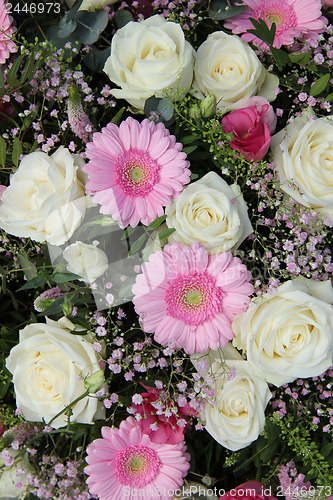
[(166, 268)]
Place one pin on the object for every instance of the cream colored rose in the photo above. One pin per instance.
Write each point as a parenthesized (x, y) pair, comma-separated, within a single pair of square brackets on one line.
[(237, 416), (212, 212), (228, 68), (45, 200), (148, 57), (48, 367), (289, 335), (303, 154), (91, 5), (86, 261)]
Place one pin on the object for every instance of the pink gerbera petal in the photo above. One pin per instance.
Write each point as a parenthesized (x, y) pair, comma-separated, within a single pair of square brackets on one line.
[(189, 297), (142, 164), (7, 45), (293, 18), (134, 463)]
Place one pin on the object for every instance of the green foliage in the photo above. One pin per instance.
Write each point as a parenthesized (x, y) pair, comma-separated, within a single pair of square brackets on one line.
[(220, 10)]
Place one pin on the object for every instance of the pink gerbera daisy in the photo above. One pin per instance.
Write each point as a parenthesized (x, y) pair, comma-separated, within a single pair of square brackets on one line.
[(6, 32), (134, 170), (126, 463), (189, 297), (293, 18)]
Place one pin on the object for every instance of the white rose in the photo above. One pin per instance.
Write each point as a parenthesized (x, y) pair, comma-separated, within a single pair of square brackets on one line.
[(212, 212), (148, 57), (9, 477), (45, 200), (303, 154), (228, 68), (237, 415), (289, 335), (48, 366), (85, 260), (91, 5)]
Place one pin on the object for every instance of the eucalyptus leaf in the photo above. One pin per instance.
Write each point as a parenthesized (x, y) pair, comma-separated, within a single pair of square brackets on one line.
[(122, 17), (66, 28), (33, 283), (64, 277), (90, 25), (95, 59), (220, 15)]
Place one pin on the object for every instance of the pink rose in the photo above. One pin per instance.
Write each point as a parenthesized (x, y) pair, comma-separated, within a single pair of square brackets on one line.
[(251, 133), (265, 109), (167, 429), (252, 490), (327, 4)]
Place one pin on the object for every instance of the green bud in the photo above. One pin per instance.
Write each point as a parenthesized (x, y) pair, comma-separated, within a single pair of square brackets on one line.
[(41, 303), (94, 382), (67, 308), (195, 113), (208, 106)]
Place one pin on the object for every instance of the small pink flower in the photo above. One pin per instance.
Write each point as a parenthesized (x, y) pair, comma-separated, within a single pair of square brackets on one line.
[(126, 461), (251, 133), (134, 170), (189, 297), (6, 33), (293, 18)]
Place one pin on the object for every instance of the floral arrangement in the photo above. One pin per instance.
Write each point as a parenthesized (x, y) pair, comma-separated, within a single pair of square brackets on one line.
[(166, 214)]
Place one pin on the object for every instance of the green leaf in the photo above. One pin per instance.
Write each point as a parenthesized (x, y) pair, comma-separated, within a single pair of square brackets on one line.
[(3, 147), (301, 58), (66, 27), (281, 57), (116, 119), (137, 245), (157, 222), (189, 138), (166, 233), (122, 17), (220, 15), (90, 25), (189, 149), (128, 232), (2, 81), (64, 277), (33, 283), (14, 69), (329, 97), (262, 31), (320, 84), (27, 266), (17, 151)]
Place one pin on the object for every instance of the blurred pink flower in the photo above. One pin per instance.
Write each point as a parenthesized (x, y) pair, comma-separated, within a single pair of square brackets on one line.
[(190, 298), (251, 133), (6, 32), (126, 461), (293, 18), (167, 430), (252, 490), (134, 170)]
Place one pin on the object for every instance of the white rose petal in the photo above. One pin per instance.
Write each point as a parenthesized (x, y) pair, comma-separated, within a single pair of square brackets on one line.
[(212, 212), (45, 200), (237, 417), (86, 261), (289, 335), (228, 68), (148, 57), (48, 366), (303, 154)]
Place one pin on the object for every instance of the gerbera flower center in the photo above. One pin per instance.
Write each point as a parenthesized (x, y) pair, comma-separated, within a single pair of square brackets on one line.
[(194, 298), (137, 465), (136, 173), (280, 13)]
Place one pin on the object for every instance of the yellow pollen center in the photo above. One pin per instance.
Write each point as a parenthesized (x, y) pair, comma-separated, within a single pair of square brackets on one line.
[(193, 298), (274, 19), (136, 463), (136, 174)]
